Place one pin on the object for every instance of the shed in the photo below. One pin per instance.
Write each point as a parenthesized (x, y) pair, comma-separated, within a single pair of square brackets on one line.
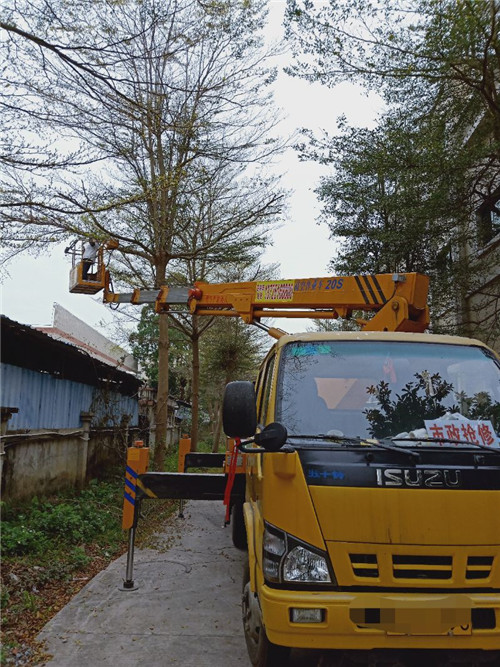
[(51, 382)]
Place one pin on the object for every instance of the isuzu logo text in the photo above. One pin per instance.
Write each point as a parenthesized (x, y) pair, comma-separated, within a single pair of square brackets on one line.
[(422, 478)]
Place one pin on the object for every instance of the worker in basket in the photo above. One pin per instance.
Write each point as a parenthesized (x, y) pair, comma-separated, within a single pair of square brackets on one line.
[(88, 257)]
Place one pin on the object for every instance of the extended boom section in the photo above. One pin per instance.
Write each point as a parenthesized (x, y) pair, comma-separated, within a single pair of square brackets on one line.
[(395, 302), (399, 301)]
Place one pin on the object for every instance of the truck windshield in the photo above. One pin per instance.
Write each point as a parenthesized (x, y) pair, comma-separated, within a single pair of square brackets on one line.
[(382, 389)]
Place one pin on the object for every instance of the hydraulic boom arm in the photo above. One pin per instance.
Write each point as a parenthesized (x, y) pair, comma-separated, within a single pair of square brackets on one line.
[(398, 301)]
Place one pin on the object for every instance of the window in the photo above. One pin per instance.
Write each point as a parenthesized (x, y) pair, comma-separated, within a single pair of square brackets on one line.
[(381, 389), (488, 221), (266, 391)]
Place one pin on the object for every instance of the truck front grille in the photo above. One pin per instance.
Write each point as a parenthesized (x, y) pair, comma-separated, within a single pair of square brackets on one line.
[(364, 565), (478, 567), (419, 566), (422, 567)]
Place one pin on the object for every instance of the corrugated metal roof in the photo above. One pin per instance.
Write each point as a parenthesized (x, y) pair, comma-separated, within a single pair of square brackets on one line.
[(51, 382), (26, 347)]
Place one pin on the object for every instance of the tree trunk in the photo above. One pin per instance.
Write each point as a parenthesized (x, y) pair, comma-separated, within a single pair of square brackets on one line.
[(162, 397), (218, 430), (195, 384)]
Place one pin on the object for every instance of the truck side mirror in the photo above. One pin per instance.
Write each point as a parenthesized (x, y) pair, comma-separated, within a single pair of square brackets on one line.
[(239, 412), (272, 438)]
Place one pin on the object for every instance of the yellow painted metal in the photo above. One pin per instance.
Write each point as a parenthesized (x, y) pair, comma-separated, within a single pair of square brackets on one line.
[(250, 528), (161, 305), (407, 516), (100, 277), (184, 448), (286, 502), (453, 565), (285, 465), (396, 336), (137, 464), (400, 301), (383, 524), (241, 460), (409, 629)]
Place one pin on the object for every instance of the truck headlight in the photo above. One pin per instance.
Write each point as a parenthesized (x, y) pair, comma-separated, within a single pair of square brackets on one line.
[(305, 566), (289, 560)]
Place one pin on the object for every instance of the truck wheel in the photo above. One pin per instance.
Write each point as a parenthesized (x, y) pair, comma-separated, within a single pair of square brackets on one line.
[(238, 530), (261, 651)]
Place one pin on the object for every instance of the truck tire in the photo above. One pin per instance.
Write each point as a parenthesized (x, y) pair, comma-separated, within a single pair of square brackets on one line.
[(238, 529), (261, 651)]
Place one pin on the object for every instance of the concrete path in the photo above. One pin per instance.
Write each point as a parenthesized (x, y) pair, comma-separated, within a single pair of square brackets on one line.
[(185, 612)]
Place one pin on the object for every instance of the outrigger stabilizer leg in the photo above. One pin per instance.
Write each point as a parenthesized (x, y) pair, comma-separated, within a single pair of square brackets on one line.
[(128, 583)]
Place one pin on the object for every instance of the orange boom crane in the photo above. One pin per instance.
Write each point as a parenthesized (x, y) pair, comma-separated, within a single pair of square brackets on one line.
[(395, 302), (398, 301)]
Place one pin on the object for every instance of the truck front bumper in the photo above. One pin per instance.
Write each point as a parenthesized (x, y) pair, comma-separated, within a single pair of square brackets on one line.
[(382, 620)]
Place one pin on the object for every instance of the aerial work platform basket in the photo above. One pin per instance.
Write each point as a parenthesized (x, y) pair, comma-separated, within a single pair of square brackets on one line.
[(97, 276)]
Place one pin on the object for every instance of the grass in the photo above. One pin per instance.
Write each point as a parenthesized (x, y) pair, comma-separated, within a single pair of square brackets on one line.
[(51, 547)]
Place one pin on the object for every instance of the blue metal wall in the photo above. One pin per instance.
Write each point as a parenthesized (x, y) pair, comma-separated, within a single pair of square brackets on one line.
[(47, 402)]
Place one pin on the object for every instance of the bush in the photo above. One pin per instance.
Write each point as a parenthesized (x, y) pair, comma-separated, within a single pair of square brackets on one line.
[(19, 539), (65, 521), (78, 559)]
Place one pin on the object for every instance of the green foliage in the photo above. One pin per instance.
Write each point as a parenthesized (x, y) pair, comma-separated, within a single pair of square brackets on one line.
[(78, 559), (4, 597), (144, 343), (409, 51), (172, 458), (396, 196), (480, 406), (29, 601), (424, 399), (69, 520), (405, 196), (407, 411), (19, 539), (232, 351), (46, 541), (339, 324)]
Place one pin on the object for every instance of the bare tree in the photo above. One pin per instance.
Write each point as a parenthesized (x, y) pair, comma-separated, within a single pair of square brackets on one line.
[(131, 112)]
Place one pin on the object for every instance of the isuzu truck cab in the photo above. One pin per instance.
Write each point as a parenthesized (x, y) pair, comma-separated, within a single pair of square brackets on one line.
[(372, 496)]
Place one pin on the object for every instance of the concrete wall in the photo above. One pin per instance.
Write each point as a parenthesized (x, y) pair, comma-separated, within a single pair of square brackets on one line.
[(43, 462), (40, 464)]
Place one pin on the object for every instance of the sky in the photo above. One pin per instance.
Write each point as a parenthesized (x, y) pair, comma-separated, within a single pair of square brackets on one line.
[(301, 247)]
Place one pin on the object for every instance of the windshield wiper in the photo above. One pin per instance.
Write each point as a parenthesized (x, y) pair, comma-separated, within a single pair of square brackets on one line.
[(324, 436), (360, 441), (449, 440)]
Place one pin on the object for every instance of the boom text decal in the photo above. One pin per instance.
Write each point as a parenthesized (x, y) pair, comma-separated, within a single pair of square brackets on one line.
[(276, 290)]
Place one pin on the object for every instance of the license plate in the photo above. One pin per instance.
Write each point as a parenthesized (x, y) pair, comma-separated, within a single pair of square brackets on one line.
[(415, 620)]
